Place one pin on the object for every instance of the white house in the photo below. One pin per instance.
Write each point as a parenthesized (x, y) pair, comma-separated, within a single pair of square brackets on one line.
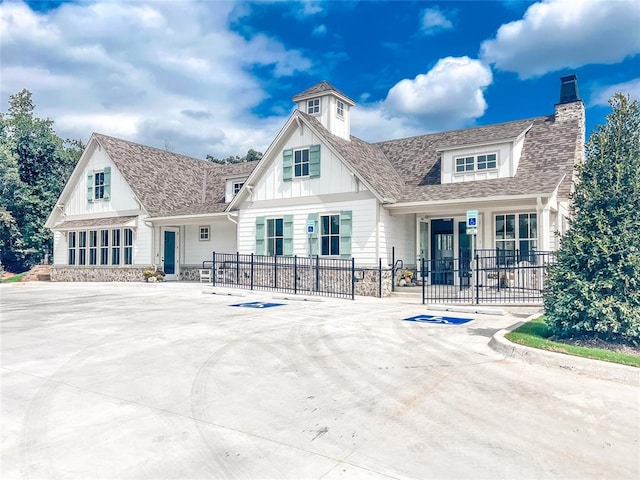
[(318, 190)]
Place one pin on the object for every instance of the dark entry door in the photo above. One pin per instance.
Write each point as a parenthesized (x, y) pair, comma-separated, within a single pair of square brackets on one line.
[(442, 252), (464, 254)]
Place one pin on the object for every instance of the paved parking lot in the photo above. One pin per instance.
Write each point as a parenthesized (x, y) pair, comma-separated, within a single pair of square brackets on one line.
[(163, 381)]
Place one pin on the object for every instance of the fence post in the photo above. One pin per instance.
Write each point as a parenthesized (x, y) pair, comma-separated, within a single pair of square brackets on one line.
[(424, 282), (353, 278), (317, 273), (275, 271), (393, 269), (477, 275), (295, 274), (380, 278), (237, 268), (213, 269), (251, 281)]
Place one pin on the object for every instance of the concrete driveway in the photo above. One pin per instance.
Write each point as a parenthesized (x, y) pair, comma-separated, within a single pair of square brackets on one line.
[(163, 381)]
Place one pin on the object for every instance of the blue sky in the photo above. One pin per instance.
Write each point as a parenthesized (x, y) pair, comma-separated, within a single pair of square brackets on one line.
[(203, 77)]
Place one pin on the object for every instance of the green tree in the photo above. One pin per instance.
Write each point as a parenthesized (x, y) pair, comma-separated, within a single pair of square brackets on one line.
[(251, 156), (34, 166), (594, 290)]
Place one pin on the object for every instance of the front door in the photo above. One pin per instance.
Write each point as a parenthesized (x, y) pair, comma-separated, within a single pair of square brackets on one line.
[(170, 253), (442, 252)]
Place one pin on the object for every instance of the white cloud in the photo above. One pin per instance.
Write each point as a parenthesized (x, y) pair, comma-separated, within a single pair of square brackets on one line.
[(319, 30), (558, 34), (434, 20), (155, 72), (450, 95), (602, 95)]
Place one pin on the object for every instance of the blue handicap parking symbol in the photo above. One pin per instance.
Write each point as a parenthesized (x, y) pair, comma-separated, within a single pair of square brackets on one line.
[(439, 319), (257, 305)]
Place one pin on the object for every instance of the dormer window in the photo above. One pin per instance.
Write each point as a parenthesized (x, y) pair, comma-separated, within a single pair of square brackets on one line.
[(313, 106), (340, 109), (477, 162), (236, 187)]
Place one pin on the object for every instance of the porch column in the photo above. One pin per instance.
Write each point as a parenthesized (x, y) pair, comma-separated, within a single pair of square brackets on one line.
[(544, 225)]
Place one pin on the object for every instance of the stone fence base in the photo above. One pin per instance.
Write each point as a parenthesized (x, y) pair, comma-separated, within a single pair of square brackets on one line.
[(97, 274)]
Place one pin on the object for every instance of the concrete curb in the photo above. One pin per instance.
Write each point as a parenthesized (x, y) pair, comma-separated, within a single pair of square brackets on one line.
[(582, 366), (465, 309), (226, 293)]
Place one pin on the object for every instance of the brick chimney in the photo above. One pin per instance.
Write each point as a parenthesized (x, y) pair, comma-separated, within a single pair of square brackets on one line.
[(570, 106)]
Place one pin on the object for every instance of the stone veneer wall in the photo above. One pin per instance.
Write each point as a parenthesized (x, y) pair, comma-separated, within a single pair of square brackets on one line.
[(97, 274)]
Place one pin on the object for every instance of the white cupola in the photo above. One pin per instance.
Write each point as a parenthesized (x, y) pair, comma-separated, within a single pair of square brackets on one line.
[(331, 107)]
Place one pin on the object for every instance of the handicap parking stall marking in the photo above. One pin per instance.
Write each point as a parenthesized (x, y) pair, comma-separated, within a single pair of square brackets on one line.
[(257, 305), (437, 319)]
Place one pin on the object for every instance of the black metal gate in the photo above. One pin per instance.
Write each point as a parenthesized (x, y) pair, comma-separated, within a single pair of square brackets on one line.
[(495, 276)]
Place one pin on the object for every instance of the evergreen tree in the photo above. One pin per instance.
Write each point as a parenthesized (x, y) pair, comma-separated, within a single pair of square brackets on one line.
[(34, 166), (594, 290)]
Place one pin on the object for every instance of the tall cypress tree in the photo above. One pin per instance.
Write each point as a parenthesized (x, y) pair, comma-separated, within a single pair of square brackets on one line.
[(594, 290)]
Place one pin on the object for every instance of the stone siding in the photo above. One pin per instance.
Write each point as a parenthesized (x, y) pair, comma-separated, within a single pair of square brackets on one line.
[(97, 274)]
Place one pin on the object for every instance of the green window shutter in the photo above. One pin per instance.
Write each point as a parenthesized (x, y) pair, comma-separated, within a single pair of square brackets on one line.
[(107, 183), (345, 234), (90, 186), (312, 219), (287, 234), (287, 164), (260, 236), (314, 161)]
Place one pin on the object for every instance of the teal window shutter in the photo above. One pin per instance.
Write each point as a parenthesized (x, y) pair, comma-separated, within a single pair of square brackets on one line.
[(287, 164), (107, 183), (314, 161), (287, 235), (312, 219), (260, 236), (90, 186), (345, 234)]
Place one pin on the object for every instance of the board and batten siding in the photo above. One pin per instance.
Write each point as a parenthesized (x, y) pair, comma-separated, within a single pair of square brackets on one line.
[(222, 238), (397, 231), (121, 198), (334, 176), (363, 236), (60, 256)]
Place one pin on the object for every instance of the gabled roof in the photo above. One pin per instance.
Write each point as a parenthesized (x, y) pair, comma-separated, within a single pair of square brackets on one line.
[(168, 183), (320, 88), (547, 158)]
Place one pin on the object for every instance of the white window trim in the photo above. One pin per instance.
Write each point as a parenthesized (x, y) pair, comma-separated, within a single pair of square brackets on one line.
[(274, 237), (475, 163), (313, 104), (99, 246), (208, 229), (236, 185), (95, 185), (339, 108), (320, 235), (308, 162)]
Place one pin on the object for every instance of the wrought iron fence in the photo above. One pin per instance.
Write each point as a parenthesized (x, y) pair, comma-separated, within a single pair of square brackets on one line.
[(333, 277), (496, 276)]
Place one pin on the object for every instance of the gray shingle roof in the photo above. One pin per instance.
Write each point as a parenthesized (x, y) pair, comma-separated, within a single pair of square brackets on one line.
[(409, 170), (318, 89), (168, 183)]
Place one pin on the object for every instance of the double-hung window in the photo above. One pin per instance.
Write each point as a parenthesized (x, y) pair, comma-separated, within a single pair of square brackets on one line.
[(93, 247), (204, 233), (82, 248), (237, 186), (275, 236), (72, 248), (104, 247), (330, 235), (99, 185), (313, 106), (516, 241), (340, 109), (128, 246), (115, 247), (301, 163)]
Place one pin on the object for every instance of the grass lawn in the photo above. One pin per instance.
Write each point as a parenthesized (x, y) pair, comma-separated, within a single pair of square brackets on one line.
[(14, 278), (536, 334)]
